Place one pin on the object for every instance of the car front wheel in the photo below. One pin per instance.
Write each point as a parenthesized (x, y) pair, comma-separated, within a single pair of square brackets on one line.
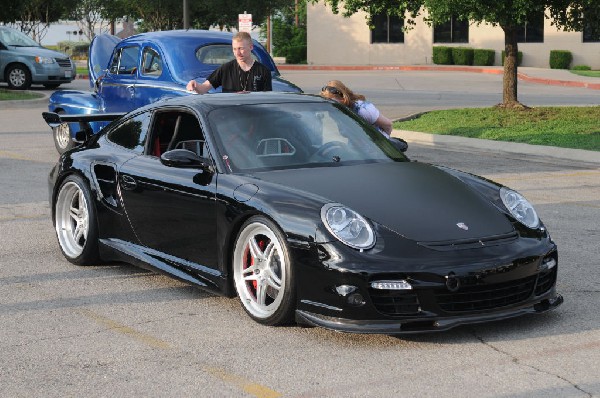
[(263, 273), (75, 222), (18, 77)]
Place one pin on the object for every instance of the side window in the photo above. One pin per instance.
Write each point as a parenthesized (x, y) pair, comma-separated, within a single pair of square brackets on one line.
[(125, 61), (453, 31), (176, 130), (533, 30), (132, 134), (217, 54), (151, 62)]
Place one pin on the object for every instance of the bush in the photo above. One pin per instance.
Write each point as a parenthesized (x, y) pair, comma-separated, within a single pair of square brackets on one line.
[(581, 67), (519, 58), (462, 55), (74, 49), (442, 55), (295, 55), (484, 57), (560, 59)]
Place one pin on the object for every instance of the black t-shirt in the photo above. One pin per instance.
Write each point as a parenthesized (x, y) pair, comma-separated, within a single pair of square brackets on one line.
[(233, 79)]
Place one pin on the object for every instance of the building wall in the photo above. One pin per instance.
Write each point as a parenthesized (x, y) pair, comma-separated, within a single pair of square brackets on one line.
[(335, 40)]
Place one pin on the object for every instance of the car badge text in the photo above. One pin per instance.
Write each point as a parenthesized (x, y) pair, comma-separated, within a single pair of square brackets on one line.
[(462, 225)]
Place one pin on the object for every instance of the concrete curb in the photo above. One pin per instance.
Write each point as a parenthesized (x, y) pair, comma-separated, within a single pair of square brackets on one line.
[(489, 70), (482, 145)]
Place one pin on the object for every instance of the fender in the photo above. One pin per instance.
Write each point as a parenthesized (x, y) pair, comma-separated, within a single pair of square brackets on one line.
[(75, 102)]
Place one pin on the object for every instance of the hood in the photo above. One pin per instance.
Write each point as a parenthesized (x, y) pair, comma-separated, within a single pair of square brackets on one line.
[(416, 200), (101, 49), (37, 52), (280, 84)]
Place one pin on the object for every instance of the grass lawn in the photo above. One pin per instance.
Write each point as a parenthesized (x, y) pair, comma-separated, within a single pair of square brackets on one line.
[(6, 95), (588, 73), (566, 127)]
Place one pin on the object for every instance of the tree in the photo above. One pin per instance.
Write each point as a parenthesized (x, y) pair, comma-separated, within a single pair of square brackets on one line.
[(33, 17), (289, 32), (509, 15), (88, 15)]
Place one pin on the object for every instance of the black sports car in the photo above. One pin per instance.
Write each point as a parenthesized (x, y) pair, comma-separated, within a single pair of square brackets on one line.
[(294, 204)]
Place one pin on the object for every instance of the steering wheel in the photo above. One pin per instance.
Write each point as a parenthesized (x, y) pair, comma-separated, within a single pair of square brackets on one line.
[(326, 150)]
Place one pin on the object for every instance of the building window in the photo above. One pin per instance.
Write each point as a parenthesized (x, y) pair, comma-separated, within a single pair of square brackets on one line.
[(453, 31), (591, 28), (533, 30), (387, 29)]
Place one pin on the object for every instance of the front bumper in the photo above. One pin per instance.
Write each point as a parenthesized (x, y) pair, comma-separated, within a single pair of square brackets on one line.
[(420, 325)]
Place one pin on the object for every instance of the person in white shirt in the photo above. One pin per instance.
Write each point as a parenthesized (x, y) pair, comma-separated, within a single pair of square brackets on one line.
[(336, 90)]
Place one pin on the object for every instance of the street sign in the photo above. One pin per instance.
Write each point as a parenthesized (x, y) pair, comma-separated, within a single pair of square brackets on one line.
[(245, 22)]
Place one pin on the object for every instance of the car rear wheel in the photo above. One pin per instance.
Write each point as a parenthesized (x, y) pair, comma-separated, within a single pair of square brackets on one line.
[(75, 222), (63, 140), (263, 273), (18, 77)]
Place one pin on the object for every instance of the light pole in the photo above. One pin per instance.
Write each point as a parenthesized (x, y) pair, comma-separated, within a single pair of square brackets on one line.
[(186, 18)]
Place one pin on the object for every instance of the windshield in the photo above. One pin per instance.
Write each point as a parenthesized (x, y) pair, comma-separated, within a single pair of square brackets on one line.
[(296, 135), (12, 37)]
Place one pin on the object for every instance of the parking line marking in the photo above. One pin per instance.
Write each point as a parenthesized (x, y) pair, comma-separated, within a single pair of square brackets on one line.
[(254, 389), (126, 330)]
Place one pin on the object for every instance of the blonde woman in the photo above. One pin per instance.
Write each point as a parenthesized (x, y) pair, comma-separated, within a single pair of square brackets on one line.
[(336, 90)]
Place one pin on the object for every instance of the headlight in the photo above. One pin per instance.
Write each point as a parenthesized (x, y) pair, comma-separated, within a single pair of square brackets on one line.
[(520, 208), (348, 226), (44, 60)]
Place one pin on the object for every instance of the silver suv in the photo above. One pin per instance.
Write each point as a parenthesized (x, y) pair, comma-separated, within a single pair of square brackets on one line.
[(24, 62)]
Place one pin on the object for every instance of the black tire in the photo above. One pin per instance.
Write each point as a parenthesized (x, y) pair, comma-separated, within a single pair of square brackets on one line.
[(18, 77), (263, 273), (63, 139), (51, 86), (75, 222)]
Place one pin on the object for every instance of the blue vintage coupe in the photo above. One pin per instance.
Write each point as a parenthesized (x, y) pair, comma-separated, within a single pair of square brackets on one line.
[(142, 69)]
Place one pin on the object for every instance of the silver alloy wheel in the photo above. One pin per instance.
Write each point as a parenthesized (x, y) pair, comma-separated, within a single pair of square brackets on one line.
[(17, 77), (259, 270), (62, 133), (72, 219)]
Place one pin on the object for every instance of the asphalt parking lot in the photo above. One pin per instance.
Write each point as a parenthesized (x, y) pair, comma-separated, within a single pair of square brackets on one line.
[(121, 331)]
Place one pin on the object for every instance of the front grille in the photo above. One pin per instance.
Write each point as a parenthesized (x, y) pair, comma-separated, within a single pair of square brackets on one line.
[(63, 62), (395, 302), (545, 282), (486, 297)]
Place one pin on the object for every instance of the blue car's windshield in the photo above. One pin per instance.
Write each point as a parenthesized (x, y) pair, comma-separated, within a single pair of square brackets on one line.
[(296, 135)]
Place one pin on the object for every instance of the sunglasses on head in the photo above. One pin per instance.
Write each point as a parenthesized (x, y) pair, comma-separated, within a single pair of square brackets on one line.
[(332, 90)]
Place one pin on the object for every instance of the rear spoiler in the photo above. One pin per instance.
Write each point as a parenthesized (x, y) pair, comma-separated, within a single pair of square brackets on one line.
[(54, 119), (85, 131)]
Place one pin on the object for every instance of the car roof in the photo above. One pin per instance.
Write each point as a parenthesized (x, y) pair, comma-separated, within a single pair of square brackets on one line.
[(235, 99), (199, 36)]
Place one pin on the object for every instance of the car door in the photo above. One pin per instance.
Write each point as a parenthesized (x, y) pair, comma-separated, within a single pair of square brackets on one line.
[(172, 210), (117, 87), (154, 80)]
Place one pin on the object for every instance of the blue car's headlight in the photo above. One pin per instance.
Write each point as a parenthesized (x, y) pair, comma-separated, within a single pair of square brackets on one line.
[(348, 226), (520, 208)]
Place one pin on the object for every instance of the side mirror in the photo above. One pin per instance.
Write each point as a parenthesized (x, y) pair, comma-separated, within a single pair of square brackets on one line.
[(184, 158), (399, 144)]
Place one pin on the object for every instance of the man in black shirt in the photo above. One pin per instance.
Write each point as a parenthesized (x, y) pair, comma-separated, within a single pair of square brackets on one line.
[(241, 74)]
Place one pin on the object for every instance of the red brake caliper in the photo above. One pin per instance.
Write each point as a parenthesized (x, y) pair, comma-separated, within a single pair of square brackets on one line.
[(250, 260)]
